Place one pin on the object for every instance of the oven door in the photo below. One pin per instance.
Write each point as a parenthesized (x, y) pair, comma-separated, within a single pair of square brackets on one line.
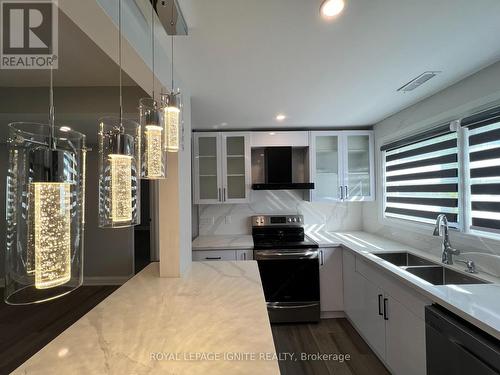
[(290, 279)]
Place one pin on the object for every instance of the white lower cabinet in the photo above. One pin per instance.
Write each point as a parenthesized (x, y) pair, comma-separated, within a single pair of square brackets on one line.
[(372, 319), (405, 340), (214, 255), (353, 287), (393, 327), (330, 279)]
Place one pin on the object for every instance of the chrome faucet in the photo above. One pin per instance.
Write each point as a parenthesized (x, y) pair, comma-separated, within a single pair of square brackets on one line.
[(441, 229)]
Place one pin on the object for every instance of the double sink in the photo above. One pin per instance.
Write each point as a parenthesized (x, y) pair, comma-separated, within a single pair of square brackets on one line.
[(428, 270)]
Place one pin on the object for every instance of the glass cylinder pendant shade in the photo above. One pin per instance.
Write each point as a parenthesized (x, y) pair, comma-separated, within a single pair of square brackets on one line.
[(153, 158), (44, 212), (172, 117), (119, 172)]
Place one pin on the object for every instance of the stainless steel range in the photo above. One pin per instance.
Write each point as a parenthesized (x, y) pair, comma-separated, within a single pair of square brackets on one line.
[(289, 268)]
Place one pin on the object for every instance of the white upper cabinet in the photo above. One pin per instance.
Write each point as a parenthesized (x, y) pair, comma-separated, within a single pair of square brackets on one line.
[(280, 138), (326, 165), (358, 166), (341, 165), (236, 168), (221, 168)]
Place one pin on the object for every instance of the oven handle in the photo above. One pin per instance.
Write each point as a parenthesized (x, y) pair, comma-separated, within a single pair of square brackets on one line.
[(266, 255), (271, 306)]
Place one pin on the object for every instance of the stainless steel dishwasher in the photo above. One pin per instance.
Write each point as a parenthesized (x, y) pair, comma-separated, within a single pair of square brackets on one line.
[(456, 347)]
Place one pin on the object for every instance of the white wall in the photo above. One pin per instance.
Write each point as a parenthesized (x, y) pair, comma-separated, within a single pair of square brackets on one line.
[(174, 207), (478, 91), (235, 218), (185, 201)]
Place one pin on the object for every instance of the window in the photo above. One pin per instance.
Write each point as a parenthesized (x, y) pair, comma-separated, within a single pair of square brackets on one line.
[(424, 178), (421, 177), (482, 134)]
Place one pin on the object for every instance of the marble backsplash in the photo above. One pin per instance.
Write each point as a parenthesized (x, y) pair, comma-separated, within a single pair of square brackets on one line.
[(235, 218)]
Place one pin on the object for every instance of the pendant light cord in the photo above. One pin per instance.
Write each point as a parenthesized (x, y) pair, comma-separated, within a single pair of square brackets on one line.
[(52, 138), (120, 59), (153, 48), (172, 24), (172, 65)]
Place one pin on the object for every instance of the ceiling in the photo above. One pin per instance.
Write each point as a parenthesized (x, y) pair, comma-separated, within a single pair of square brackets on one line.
[(246, 61)]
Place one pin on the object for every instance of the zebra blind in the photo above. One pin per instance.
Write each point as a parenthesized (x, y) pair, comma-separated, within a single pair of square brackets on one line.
[(484, 178), (421, 179)]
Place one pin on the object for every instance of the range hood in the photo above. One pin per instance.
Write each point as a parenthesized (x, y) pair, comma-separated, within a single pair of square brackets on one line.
[(280, 171)]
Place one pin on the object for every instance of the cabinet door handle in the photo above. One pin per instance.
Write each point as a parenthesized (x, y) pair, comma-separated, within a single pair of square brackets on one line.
[(346, 192), (321, 258), (218, 195), (380, 304), (385, 309), (341, 193), (213, 258), (244, 256), (224, 194)]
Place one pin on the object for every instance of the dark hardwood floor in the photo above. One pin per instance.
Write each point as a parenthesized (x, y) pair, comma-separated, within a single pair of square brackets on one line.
[(330, 336), (24, 330)]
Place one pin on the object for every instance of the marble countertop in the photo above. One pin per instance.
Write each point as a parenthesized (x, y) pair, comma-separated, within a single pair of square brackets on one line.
[(478, 303), (223, 242), (154, 325)]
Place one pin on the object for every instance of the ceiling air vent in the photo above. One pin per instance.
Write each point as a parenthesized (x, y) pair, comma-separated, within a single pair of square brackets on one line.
[(421, 79)]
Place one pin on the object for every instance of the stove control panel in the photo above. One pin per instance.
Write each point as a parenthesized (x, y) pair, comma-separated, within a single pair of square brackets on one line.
[(277, 220)]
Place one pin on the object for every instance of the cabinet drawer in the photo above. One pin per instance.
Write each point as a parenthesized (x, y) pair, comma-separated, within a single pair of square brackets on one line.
[(209, 255)]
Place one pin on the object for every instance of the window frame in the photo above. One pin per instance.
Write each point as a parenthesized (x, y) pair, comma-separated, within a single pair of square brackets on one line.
[(468, 229), (464, 227)]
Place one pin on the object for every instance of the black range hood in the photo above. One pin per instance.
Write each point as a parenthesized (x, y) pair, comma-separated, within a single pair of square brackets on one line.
[(288, 186), (279, 171)]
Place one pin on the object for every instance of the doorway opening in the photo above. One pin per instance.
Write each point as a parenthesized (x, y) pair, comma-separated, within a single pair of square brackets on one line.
[(142, 232)]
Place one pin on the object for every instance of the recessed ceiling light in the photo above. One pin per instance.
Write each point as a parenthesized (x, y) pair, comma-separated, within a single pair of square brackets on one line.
[(331, 8), (65, 128), (280, 117)]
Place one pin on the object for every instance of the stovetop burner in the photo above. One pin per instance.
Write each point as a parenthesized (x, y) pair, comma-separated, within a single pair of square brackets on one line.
[(280, 232)]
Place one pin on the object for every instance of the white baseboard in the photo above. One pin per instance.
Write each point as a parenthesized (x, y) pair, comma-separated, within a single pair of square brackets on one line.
[(332, 314), (106, 280)]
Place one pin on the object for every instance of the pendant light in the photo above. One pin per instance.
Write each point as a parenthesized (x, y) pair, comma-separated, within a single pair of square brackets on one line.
[(44, 210), (172, 112), (153, 157), (119, 163)]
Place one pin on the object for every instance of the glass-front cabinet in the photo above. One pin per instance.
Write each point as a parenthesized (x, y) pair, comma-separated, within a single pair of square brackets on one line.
[(358, 169), (221, 167), (207, 167), (341, 165), (326, 157)]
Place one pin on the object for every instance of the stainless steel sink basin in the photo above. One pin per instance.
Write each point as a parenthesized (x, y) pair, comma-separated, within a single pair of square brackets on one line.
[(438, 275), (428, 270), (405, 259)]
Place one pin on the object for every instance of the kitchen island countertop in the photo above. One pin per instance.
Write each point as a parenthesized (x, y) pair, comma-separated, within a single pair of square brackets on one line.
[(198, 324)]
